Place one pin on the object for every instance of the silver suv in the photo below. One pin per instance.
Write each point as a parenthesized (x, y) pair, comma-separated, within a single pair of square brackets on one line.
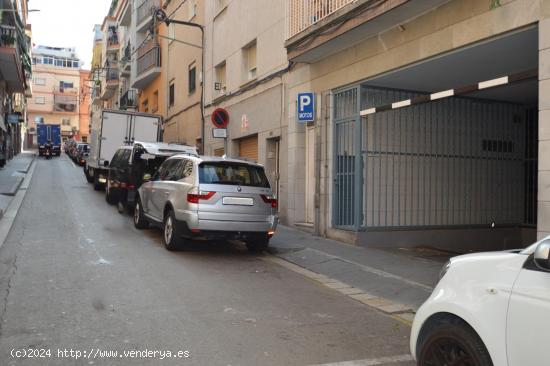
[(208, 198)]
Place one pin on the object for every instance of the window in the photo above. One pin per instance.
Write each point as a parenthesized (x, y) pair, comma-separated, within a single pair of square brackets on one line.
[(40, 100), (117, 158), (249, 54), (64, 85), (187, 170), (145, 105), (170, 170), (76, 64), (39, 81), (84, 138), (155, 104), (192, 78), (58, 62), (65, 121), (172, 93), (220, 78), (233, 174)]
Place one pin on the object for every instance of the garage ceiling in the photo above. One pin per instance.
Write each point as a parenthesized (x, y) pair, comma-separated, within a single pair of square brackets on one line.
[(504, 55)]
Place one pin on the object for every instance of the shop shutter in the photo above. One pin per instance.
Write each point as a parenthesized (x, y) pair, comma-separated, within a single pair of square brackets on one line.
[(248, 148)]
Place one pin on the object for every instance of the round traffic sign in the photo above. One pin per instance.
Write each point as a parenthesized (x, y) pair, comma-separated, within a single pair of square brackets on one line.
[(220, 118)]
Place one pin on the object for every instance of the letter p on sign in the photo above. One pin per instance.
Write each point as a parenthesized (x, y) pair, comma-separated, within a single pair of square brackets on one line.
[(306, 107)]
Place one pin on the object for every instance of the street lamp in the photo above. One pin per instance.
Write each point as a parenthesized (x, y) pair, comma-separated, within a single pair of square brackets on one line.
[(161, 16)]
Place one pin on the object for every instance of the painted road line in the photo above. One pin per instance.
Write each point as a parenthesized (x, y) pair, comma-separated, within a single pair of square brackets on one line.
[(372, 361), (379, 303), (9, 216)]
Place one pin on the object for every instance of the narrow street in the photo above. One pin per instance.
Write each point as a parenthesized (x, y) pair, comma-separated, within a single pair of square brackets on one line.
[(76, 275)]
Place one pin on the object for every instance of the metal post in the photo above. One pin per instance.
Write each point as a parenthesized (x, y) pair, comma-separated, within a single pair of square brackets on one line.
[(161, 16)]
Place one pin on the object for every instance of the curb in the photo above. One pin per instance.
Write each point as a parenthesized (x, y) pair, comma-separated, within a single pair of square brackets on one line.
[(9, 215), (401, 312)]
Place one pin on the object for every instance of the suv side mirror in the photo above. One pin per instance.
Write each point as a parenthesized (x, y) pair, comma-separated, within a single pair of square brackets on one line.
[(542, 255), (105, 163)]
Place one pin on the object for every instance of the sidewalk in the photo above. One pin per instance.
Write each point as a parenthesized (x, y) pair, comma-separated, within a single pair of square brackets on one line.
[(398, 276), (12, 176)]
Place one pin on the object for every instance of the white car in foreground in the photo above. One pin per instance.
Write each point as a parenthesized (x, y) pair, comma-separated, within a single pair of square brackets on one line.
[(488, 309)]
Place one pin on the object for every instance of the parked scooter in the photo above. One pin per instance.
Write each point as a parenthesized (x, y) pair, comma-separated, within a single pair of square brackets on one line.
[(48, 150)]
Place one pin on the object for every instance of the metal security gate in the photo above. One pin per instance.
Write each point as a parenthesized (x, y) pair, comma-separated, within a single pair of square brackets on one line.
[(455, 162), (347, 183)]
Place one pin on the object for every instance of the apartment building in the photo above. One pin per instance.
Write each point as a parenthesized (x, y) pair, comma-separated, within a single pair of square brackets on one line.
[(245, 63), (15, 75), (84, 101), (430, 124), (56, 91), (182, 69), (128, 75)]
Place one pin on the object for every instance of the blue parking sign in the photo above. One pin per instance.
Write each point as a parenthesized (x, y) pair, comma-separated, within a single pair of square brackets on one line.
[(306, 107)]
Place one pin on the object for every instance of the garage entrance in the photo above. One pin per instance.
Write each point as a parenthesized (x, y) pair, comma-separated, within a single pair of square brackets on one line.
[(460, 168), (248, 147)]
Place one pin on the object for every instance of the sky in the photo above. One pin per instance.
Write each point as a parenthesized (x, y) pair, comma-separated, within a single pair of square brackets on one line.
[(67, 23)]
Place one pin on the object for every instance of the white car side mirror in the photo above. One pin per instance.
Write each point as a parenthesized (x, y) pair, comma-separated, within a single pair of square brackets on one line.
[(542, 255)]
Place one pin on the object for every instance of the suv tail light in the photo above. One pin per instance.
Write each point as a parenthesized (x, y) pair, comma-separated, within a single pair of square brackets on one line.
[(194, 195), (270, 200)]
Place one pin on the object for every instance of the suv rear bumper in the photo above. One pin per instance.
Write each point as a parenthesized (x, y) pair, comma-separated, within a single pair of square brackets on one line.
[(237, 226)]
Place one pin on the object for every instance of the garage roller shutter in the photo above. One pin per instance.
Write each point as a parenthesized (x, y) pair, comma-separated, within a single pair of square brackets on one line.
[(248, 148)]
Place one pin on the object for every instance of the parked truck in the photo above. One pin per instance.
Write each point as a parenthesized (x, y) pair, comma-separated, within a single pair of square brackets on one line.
[(111, 129), (47, 133)]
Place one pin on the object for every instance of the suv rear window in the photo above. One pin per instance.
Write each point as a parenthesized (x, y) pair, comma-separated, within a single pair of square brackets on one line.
[(233, 174)]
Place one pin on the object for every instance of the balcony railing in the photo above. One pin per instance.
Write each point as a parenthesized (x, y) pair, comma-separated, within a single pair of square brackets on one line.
[(112, 73), (301, 14), (69, 91), (148, 60), (8, 36), (128, 100), (146, 8)]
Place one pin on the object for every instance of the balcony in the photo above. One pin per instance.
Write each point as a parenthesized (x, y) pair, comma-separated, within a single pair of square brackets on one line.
[(316, 29), (129, 100), (13, 56), (148, 65), (64, 91), (96, 95), (111, 82), (145, 12), (126, 60), (65, 103), (112, 39)]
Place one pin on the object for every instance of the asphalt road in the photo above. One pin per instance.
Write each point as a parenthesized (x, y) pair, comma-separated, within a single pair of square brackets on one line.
[(75, 275)]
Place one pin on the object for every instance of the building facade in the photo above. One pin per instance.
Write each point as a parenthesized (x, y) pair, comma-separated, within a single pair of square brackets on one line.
[(15, 76), (84, 101), (56, 91), (245, 65), (182, 69), (430, 121)]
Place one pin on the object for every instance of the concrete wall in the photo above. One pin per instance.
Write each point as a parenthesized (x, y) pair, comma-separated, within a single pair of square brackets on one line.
[(455, 24), (53, 75), (543, 227), (256, 106), (182, 122)]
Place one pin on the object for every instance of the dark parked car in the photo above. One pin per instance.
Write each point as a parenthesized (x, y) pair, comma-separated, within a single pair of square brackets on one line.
[(131, 164), (81, 152)]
